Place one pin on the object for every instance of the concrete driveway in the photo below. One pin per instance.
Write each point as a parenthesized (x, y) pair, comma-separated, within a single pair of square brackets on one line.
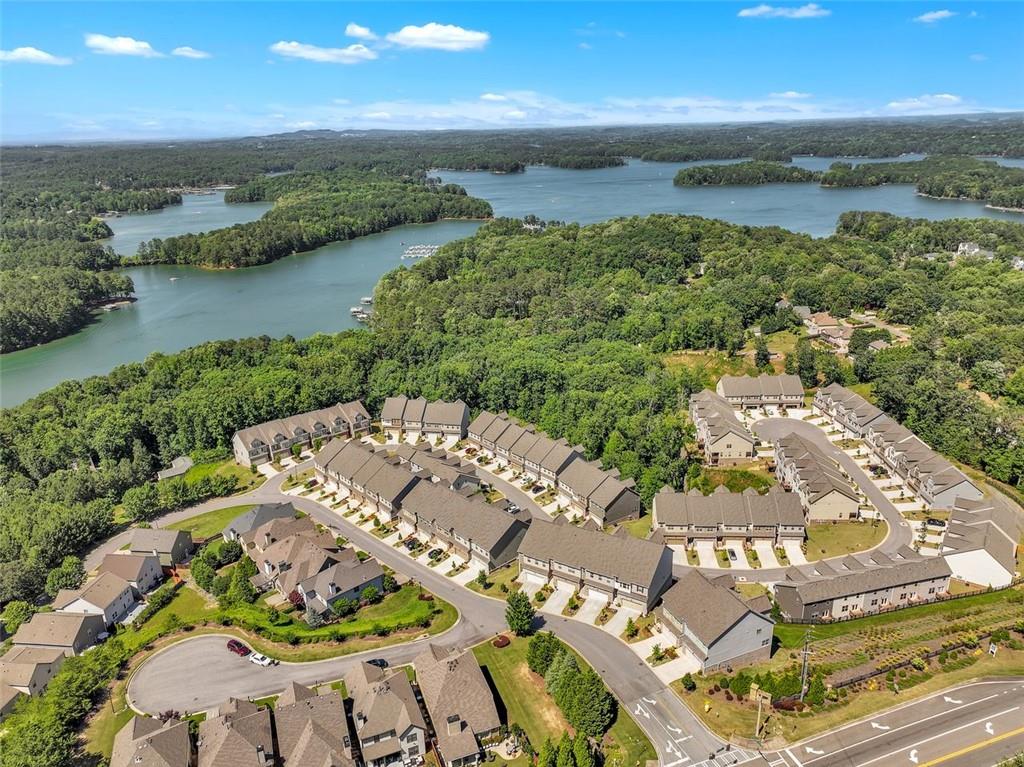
[(617, 624), (794, 552), (706, 554), (741, 555), (766, 553), (591, 608), (559, 598)]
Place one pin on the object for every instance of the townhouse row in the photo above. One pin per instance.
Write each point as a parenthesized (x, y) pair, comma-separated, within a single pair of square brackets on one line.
[(824, 489), (592, 491), (401, 415), (275, 439), (931, 476), (685, 518)]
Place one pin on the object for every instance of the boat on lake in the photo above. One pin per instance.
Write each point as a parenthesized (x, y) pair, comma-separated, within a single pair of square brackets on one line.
[(420, 251)]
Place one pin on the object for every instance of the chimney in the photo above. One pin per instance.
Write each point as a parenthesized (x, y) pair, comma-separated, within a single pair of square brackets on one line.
[(454, 723)]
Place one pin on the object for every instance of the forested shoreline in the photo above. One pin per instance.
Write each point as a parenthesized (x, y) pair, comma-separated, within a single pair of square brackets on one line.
[(364, 182), (568, 328), (942, 177)]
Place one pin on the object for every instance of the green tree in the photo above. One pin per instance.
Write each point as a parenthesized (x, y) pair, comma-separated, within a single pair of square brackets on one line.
[(762, 356), (519, 614), (15, 613), (547, 755), (582, 752), (816, 690), (70, 575), (344, 606), (541, 651), (141, 503), (371, 595), (565, 756), (202, 573)]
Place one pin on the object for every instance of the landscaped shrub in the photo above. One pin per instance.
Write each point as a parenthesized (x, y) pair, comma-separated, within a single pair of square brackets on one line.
[(157, 601), (502, 641)]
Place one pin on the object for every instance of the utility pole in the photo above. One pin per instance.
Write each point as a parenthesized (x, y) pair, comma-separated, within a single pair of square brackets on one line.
[(803, 672)]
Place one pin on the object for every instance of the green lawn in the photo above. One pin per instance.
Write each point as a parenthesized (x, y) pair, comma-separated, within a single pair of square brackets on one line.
[(296, 478), (639, 528), (834, 540), (247, 480), (528, 704), (211, 523), (505, 576)]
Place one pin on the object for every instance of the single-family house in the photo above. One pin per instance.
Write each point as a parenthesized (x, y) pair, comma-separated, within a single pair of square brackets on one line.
[(458, 698), (837, 337), (72, 633), (27, 670), (389, 724), (171, 547), (178, 467), (256, 517), (711, 621), (259, 539), (148, 742), (623, 570), (289, 562), (346, 578), (142, 571), (108, 595), (312, 729), (819, 321), (241, 735)]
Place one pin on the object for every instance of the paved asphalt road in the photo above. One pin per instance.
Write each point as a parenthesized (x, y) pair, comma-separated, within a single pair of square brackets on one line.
[(975, 725), (160, 684)]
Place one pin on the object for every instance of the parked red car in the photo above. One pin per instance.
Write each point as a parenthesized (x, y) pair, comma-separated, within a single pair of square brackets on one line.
[(238, 648)]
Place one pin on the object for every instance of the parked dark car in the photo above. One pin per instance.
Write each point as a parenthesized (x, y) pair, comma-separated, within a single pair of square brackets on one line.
[(732, 555), (932, 522), (435, 553), (237, 647), (411, 544), (378, 662)]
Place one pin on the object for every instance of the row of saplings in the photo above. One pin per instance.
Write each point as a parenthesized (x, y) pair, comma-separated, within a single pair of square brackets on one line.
[(784, 688)]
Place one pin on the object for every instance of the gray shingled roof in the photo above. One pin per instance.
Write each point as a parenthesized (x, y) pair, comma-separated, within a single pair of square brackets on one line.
[(102, 591), (146, 742), (816, 470), (870, 579), (262, 514), (128, 566), (718, 414), (630, 560), (762, 385), (708, 609), (471, 519), (776, 507)]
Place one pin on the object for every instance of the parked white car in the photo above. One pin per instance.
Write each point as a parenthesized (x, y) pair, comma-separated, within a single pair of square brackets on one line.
[(261, 660)]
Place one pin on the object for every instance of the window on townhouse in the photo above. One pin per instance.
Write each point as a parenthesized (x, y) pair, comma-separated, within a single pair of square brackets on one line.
[(846, 608)]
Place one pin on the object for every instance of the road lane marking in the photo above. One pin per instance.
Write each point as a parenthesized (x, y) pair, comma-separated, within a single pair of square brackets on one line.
[(975, 747), (648, 700), (913, 755), (940, 735), (905, 726), (810, 750), (792, 756), (877, 726), (670, 728), (951, 700), (988, 728)]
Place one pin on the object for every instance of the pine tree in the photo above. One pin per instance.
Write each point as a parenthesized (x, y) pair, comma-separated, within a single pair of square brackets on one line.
[(548, 754), (519, 614), (762, 357), (565, 757), (582, 752)]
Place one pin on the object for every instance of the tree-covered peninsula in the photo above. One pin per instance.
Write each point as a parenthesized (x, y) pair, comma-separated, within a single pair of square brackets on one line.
[(743, 173)]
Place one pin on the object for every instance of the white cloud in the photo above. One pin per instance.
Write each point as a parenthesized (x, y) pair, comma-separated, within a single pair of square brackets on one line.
[(929, 101), (515, 114), (120, 46), (351, 54), (439, 37), (764, 11), (790, 95), (978, 57), (30, 55), (188, 52), (932, 16), (493, 97), (359, 32), (585, 46), (377, 115)]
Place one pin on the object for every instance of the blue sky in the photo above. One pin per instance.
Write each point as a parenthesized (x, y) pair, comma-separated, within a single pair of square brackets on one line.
[(87, 71)]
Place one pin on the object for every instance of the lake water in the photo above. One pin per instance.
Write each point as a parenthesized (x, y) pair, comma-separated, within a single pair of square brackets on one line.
[(197, 213), (180, 306)]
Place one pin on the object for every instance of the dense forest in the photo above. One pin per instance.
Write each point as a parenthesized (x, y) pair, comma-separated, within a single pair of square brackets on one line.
[(752, 172), (569, 328), (939, 176), (365, 181), (313, 209)]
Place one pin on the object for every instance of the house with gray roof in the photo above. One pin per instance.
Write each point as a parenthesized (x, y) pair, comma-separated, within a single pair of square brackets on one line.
[(980, 542), (546, 458), (272, 440), (257, 517), (447, 469), (463, 716), (148, 742), (312, 729), (372, 477), (346, 578), (179, 466), (477, 532), (389, 724), (241, 735), (27, 670), (846, 408), (171, 547), (720, 434), (142, 571), (429, 419), (761, 391), (930, 475), (620, 569), (881, 584), (287, 563), (685, 518), (108, 595), (823, 487), (598, 493), (259, 539), (72, 633), (714, 623)]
